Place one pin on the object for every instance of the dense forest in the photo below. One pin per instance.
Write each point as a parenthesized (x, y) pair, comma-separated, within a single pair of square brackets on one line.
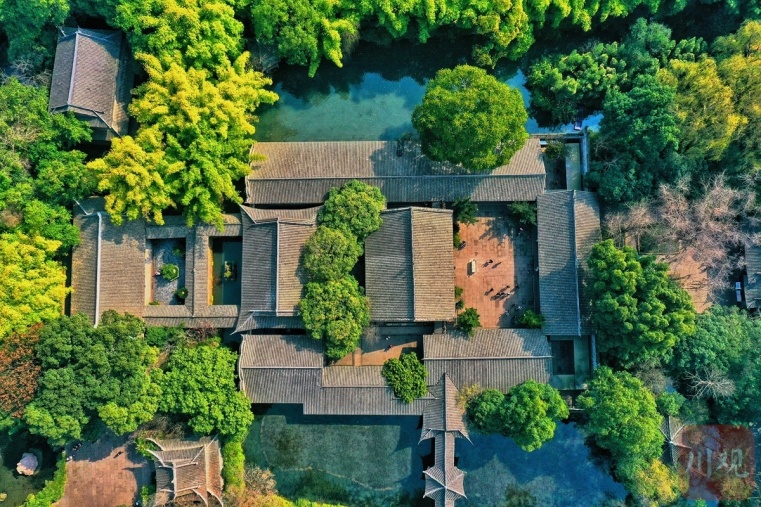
[(675, 162)]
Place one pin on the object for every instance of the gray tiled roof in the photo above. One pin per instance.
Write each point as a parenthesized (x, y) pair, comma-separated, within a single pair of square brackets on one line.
[(188, 467), (409, 262), (492, 358), (272, 279), (568, 228), (444, 482), (360, 401), (86, 75), (261, 214), (125, 269), (280, 351), (753, 269), (442, 414), (353, 376), (303, 173)]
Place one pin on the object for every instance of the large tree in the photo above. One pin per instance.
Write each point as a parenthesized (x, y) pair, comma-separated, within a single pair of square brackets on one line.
[(623, 417), (335, 312), (88, 372), (468, 117), (638, 312), (527, 414), (19, 373), (353, 209), (330, 254), (34, 286), (199, 384), (30, 27), (406, 376)]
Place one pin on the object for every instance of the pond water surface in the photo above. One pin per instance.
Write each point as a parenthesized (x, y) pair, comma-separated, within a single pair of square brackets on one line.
[(372, 97), (16, 486)]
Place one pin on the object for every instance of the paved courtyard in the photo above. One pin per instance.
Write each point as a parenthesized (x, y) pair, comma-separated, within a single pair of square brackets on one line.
[(379, 345), (512, 252), (97, 477)]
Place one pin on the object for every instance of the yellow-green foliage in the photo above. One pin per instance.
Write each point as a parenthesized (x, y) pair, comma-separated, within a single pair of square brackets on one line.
[(234, 462), (53, 489), (33, 284)]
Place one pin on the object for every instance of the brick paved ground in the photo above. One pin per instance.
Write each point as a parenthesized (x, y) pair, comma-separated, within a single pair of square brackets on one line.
[(497, 238), (96, 477)]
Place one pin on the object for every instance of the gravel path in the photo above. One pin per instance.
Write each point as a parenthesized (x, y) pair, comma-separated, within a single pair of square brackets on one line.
[(163, 253)]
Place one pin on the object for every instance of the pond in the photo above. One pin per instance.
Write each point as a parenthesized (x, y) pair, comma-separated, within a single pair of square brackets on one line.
[(16, 486), (372, 97), (378, 461)]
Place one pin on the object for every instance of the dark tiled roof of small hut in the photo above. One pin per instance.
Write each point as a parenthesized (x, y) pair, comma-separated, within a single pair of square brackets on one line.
[(492, 358), (304, 172), (188, 467), (568, 228), (272, 277), (86, 75), (442, 414), (409, 266)]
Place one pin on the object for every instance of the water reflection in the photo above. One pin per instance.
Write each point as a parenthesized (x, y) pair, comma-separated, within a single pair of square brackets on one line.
[(372, 97)]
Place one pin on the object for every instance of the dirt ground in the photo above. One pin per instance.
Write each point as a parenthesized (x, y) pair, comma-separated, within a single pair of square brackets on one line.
[(690, 275), (512, 252), (97, 477)]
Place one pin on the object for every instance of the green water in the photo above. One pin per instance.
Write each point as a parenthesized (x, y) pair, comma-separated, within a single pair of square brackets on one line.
[(225, 292), (372, 97), (18, 487)]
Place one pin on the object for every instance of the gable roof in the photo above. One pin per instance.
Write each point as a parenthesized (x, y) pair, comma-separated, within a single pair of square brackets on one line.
[(188, 467), (442, 414), (492, 358), (568, 224), (409, 275), (272, 276), (87, 78), (304, 172), (753, 269)]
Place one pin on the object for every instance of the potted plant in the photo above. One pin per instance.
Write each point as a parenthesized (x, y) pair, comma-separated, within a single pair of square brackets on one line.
[(170, 272), (181, 293)]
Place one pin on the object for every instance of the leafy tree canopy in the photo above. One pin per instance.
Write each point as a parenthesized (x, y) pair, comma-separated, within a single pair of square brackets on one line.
[(40, 174), (407, 376), (468, 117), (335, 312), (469, 320), (33, 284), (88, 372), (464, 211), (354, 208), (330, 254), (30, 28), (622, 416), (19, 372), (638, 312), (486, 410), (199, 383)]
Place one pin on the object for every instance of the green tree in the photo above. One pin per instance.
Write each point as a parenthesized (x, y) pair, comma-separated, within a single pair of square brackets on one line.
[(636, 148), (29, 27), (523, 212), (469, 320), (532, 320), (485, 411), (34, 286), (464, 211), (329, 254), (468, 117), (88, 372), (199, 383), (530, 412), (335, 312), (41, 175), (407, 376), (354, 209), (638, 312), (622, 416)]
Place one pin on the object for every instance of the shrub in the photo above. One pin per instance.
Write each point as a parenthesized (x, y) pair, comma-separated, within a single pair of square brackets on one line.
[(464, 211), (160, 336), (532, 320), (178, 251), (669, 403), (456, 240), (170, 272), (555, 150), (469, 320), (459, 304), (406, 376), (181, 293), (458, 292), (53, 489), (234, 462), (523, 212)]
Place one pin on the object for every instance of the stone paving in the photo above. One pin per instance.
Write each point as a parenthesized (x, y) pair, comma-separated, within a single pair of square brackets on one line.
[(513, 254), (99, 476), (163, 253)]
